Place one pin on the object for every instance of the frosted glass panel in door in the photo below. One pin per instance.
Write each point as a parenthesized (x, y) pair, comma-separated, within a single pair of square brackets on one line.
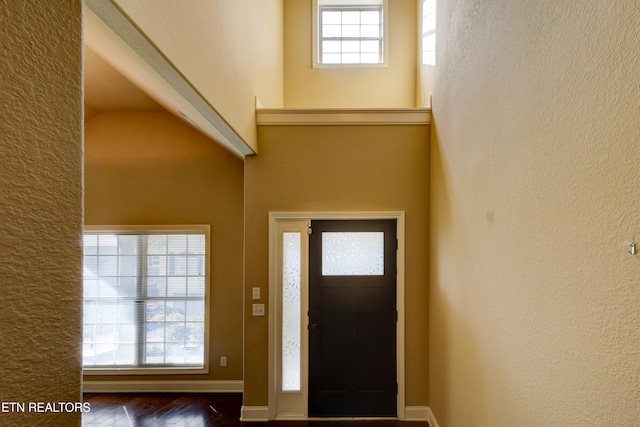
[(291, 312), (352, 253)]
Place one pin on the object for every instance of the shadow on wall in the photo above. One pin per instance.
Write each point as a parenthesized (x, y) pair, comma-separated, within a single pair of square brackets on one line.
[(451, 339)]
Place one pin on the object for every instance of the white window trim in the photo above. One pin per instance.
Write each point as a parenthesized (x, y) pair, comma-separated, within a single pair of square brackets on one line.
[(206, 228), (291, 404), (316, 28)]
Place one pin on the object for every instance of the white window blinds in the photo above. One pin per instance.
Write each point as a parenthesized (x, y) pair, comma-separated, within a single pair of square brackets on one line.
[(144, 299)]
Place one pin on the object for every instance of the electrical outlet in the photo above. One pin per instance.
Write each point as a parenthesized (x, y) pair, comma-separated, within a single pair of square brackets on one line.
[(258, 309), (223, 360)]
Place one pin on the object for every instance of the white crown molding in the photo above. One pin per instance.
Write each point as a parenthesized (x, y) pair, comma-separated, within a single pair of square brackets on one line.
[(342, 116), (166, 386)]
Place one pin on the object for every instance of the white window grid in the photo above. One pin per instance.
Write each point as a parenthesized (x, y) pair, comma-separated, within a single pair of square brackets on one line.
[(350, 35)]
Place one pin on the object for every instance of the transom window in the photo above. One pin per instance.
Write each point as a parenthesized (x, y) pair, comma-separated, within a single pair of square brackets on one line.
[(144, 297), (350, 32)]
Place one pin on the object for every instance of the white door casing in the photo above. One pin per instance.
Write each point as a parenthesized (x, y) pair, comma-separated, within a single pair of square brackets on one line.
[(293, 404)]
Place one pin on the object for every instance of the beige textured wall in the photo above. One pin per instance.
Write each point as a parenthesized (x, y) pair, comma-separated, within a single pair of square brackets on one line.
[(151, 168), (534, 303), (231, 51), (40, 207), (332, 169), (393, 86)]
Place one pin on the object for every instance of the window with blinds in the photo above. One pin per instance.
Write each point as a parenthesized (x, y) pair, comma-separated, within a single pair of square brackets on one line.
[(349, 32), (145, 294)]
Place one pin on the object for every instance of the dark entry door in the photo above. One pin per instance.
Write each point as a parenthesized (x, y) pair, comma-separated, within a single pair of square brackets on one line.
[(352, 318)]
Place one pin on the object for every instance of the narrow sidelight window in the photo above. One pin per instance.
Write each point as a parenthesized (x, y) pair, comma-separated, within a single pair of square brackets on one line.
[(291, 365)]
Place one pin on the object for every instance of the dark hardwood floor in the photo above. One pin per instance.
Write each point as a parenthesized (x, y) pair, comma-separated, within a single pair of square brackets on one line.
[(163, 409), (192, 410)]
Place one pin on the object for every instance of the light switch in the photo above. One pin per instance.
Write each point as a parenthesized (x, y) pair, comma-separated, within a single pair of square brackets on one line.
[(255, 294), (258, 309)]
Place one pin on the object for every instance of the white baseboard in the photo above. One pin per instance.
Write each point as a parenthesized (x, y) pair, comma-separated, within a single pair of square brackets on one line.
[(291, 417), (412, 413), (432, 419), (193, 386), (420, 413), (416, 413), (254, 413)]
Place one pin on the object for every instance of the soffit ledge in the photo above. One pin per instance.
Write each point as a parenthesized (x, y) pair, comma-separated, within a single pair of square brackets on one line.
[(342, 116)]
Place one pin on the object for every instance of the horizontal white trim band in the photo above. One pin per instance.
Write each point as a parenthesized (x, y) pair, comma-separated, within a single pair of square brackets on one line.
[(348, 116), (167, 386)]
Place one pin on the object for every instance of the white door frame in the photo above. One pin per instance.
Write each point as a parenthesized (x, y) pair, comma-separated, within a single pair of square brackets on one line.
[(275, 220)]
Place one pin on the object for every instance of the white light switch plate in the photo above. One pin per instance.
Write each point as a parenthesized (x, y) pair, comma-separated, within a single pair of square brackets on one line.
[(258, 309), (255, 293)]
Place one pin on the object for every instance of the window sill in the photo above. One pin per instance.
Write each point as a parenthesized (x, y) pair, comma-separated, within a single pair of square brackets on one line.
[(349, 66), (150, 371)]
